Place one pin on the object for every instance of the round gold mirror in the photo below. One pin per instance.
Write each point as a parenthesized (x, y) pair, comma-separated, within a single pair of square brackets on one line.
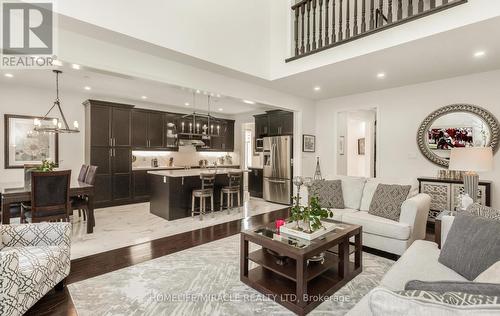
[(456, 126)]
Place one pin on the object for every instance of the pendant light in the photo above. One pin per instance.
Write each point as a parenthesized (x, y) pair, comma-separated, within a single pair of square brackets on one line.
[(58, 124)]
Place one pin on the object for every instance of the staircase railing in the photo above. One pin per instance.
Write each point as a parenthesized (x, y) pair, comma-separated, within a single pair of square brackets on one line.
[(322, 24)]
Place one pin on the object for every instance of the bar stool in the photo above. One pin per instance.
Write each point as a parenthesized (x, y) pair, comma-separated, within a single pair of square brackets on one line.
[(234, 187), (206, 191)]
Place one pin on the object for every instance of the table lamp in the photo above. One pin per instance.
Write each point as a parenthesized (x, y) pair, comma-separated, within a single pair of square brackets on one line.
[(471, 160)]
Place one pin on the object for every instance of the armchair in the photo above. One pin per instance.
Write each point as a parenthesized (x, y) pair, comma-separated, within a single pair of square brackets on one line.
[(34, 258)]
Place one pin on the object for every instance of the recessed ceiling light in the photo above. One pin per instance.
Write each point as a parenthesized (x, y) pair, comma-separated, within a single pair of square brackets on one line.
[(221, 109), (317, 88), (218, 95), (198, 91), (186, 104), (381, 75), (75, 66), (480, 53), (87, 88), (248, 102), (8, 75), (144, 97), (57, 63)]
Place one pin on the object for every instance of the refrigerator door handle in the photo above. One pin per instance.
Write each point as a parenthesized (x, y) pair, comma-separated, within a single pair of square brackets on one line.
[(275, 181)]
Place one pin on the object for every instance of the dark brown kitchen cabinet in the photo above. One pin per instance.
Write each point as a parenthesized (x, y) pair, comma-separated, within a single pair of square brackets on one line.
[(229, 136), (155, 129), (120, 127), (274, 123), (255, 182), (141, 186), (147, 129), (261, 125), (108, 146)]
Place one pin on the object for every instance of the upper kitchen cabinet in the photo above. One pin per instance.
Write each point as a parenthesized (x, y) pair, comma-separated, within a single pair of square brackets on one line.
[(261, 125), (147, 129), (280, 123), (274, 123), (108, 124), (172, 128)]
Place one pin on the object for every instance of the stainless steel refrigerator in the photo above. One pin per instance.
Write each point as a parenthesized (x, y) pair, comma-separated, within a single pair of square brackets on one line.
[(278, 161)]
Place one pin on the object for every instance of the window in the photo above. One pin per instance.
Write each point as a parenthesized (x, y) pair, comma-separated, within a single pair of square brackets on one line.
[(248, 148)]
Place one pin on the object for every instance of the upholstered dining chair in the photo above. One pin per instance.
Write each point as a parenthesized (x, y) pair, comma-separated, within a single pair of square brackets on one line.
[(83, 173), (50, 200), (81, 203)]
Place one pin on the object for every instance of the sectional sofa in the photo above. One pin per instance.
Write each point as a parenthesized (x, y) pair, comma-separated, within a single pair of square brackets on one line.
[(382, 233)]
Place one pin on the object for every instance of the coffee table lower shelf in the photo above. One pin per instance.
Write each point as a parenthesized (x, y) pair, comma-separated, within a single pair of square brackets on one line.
[(316, 281)]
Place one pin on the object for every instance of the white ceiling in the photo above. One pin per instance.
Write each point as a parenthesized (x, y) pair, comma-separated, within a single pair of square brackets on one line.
[(112, 86), (441, 56)]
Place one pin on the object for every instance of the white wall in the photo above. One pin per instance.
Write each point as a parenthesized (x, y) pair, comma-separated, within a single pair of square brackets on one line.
[(25, 100), (399, 113)]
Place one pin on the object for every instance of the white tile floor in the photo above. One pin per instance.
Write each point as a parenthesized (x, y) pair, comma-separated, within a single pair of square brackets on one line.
[(127, 225)]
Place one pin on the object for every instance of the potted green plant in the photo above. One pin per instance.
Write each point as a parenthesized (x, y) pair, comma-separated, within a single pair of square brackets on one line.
[(308, 218), (46, 166)]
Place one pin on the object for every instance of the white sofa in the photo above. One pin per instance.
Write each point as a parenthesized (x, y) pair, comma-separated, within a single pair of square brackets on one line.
[(381, 233), (34, 258), (419, 262)]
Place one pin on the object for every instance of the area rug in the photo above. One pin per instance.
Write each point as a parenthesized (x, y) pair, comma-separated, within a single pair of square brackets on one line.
[(133, 224), (203, 280)]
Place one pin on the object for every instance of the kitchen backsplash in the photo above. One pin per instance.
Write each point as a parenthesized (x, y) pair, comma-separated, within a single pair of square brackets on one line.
[(186, 156)]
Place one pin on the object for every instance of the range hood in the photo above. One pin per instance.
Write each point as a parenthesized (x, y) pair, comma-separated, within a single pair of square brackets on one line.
[(191, 142)]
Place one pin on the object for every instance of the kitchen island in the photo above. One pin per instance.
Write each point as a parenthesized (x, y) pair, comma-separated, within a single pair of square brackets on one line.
[(171, 190)]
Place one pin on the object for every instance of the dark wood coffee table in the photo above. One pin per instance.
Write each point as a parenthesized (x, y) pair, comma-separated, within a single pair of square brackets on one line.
[(297, 285)]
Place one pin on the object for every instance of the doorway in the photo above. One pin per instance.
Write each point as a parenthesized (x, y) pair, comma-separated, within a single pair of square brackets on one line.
[(358, 152)]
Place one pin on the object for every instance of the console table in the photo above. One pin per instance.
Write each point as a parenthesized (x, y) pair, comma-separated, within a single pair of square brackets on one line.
[(298, 284), (445, 194)]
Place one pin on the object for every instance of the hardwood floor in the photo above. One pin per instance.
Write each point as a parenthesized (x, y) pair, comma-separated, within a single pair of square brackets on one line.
[(60, 303)]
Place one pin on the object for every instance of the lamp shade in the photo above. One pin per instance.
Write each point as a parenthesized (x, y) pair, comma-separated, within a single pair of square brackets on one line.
[(476, 159)]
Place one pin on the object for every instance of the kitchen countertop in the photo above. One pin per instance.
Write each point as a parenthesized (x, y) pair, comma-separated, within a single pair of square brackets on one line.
[(255, 167), (179, 167), (192, 172)]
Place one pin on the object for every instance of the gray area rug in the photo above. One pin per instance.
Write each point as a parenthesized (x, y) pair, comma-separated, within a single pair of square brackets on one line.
[(203, 280)]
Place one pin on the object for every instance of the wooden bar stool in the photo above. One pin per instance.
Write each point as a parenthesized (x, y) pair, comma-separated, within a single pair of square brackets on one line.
[(206, 191), (234, 187)]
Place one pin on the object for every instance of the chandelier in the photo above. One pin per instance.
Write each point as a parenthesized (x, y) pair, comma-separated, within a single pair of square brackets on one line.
[(58, 124)]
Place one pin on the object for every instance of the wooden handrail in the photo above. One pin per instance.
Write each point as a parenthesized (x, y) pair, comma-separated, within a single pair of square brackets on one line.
[(323, 24)]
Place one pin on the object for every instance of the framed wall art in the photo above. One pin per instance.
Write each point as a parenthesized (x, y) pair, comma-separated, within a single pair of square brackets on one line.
[(25, 146), (308, 143)]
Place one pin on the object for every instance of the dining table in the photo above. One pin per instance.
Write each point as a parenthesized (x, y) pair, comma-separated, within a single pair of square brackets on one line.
[(18, 192)]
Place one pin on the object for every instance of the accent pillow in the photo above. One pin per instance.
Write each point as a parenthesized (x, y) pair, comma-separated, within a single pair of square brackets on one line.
[(328, 192), (472, 245), (388, 199), (483, 211), (492, 274), (384, 302), (441, 287)]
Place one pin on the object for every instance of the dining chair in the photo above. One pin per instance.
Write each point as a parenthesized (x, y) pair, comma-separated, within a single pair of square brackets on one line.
[(83, 173), (50, 200), (81, 203)]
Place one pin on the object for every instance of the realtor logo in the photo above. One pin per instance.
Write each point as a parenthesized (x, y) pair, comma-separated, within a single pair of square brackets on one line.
[(27, 33)]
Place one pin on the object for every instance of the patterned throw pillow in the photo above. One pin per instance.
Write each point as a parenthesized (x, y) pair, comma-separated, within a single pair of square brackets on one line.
[(328, 192), (388, 199), (477, 209), (452, 298)]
